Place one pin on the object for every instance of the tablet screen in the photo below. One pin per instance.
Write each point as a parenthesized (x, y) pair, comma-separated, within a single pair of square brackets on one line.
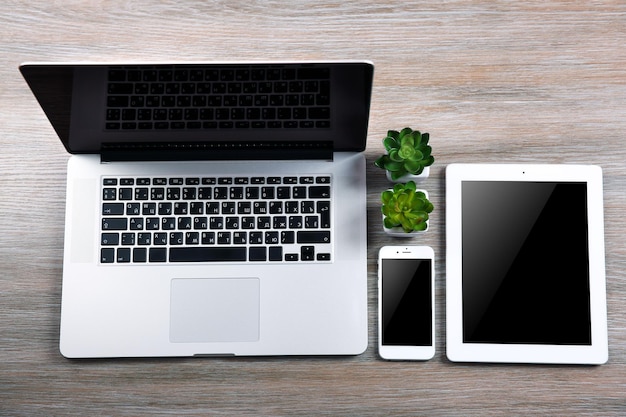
[(525, 263)]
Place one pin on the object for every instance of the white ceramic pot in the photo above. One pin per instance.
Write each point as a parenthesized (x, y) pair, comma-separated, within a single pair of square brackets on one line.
[(410, 177), (399, 232)]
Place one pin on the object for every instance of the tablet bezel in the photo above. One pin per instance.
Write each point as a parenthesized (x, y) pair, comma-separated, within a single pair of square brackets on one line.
[(456, 349)]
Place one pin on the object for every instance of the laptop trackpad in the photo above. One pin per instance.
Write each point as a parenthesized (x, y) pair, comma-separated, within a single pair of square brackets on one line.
[(214, 310)]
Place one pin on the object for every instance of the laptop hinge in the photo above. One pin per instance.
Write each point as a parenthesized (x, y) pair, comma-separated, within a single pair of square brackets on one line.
[(215, 151)]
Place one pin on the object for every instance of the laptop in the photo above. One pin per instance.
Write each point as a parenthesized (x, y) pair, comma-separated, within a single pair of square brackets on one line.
[(213, 209)]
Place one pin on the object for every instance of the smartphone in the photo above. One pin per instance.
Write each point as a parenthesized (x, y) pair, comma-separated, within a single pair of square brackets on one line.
[(406, 307)]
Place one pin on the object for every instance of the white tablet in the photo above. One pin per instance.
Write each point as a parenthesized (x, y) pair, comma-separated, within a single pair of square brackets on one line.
[(525, 264)]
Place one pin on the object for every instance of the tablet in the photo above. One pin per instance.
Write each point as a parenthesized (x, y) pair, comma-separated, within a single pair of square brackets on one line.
[(525, 273)]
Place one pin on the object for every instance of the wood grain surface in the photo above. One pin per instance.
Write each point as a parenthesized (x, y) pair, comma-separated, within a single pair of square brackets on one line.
[(491, 81)]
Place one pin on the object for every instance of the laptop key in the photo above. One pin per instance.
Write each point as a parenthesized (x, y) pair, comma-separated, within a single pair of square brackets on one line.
[(208, 254), (276, 253), (313, 236), (323, 208), (112, 209), (107, 255), (258, 254), (109, 194), (139, 255), (307, 253), (117, 101), (107, 239), (319, 191), (123, 255), (114, 224), (319, 112), (158, 255)]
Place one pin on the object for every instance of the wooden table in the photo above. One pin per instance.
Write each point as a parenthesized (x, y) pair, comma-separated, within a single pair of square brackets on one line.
[(493, 81)]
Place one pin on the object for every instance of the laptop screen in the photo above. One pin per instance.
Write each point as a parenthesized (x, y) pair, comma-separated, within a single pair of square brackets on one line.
[(206, 111)]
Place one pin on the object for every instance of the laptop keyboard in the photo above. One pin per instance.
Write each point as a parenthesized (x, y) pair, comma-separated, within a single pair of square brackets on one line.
[(216, 219), (205, 97)]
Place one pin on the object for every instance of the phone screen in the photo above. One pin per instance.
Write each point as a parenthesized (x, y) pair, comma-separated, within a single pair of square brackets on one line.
[(406, 302)]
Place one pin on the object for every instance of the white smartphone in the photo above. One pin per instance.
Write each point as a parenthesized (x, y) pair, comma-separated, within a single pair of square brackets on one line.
[(406, 302)]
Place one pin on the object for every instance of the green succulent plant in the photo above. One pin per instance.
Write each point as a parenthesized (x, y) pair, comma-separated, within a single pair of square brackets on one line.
[(404, 206), (408, 152)]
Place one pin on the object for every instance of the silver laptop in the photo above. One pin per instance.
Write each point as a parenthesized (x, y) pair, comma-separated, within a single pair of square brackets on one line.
[(212, 208)]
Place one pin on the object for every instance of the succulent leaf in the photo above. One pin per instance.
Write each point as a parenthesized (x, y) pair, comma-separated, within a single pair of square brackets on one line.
[(417, 138), (380, 162), (390, 143), (386, 196), (393, 134), (420, 226), (397, 189), (407, 142), (394, 155), (406, 131), (393, 166), (412, 187)]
